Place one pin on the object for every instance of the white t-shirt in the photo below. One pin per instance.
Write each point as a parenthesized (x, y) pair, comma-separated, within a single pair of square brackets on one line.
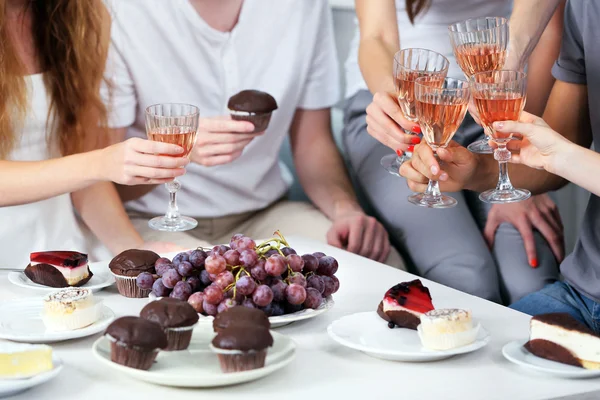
[(163, 51), (430, 31)]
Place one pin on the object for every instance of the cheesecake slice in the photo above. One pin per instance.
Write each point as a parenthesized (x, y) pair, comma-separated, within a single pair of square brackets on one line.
[(19, 361), (404, 303), (59, 268), (560, 337)]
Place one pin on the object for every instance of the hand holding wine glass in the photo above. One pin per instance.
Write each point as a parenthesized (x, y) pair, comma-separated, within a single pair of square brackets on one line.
[(387, 124)]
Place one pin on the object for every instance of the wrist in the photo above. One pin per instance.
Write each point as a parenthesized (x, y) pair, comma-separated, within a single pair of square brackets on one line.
[(346, 206), (561, 160), (97, 165)]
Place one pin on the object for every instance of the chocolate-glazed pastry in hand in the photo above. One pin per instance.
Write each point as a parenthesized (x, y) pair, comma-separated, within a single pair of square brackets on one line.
[(242, 348), (176, 317), (252, 106), (127, 266), (240, 316), (135, 342)]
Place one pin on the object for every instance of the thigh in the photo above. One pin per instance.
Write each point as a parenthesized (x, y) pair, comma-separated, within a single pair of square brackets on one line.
[(183, 239)]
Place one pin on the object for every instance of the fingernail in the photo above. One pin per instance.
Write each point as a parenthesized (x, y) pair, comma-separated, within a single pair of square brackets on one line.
[(499, 125), (415, 140), (534, 263), (416, 129), (399, 152), (434, 169), (444, 176), (411, 148)]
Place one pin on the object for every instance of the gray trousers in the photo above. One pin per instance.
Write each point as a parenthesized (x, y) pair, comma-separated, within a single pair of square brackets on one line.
[(444, 245)]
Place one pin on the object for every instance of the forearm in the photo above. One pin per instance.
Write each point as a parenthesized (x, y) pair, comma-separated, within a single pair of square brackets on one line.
[(30, 181), (375, 58), (580, 166), (102, 211)]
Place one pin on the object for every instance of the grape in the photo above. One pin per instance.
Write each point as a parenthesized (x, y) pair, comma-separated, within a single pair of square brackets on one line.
[(209, 309), (215, 264), (145, 280), (170, 278), (162, 268), (181, 291), (319, 254), (205, 277), (162, 261), (311, 263), (275, 265), (271, 252), (159, 289), (248, 258), (246, 243), (224, 279), (195, 283), (295, 294), (181, 257), (329, 286), (327, 266), (213, 294), (235, 241), (297, 279), (245, 285), (292, 308), (197, 258), (278, 287), (247, 302), (258, 272), (262, 296), (225, 305), (232, 257), (287, 251), (196, 300), (219, 250), (336, 283), (315, 282), (313, 298), (273, 310), (185, 268), (295, 262)]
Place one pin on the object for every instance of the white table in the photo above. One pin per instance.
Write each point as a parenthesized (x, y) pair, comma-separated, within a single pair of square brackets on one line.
[(323, 369)]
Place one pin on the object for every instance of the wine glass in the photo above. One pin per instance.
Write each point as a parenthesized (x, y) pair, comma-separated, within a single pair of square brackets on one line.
[(441, 105), (175, 124), (480, 45), (410, 64), (500, 96)]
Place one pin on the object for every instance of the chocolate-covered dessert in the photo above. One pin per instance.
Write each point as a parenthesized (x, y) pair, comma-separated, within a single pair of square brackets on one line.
[(240, 316), (135, 342), (252, 106), (127, 266), (176, 317), (242, 348), (58, 268), (404, 303)]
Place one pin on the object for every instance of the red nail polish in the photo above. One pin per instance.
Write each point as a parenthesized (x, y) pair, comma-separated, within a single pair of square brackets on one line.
[(399, 152), (415, 140), (534, 263), (416, 129), (411, 148)]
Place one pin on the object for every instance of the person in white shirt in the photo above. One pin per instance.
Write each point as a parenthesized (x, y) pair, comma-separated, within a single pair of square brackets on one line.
[(202, 52)]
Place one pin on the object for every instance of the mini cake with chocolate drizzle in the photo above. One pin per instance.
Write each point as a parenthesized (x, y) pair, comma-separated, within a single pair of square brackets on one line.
[(69, 309), (446, 329), (58, 268), (404, 304)]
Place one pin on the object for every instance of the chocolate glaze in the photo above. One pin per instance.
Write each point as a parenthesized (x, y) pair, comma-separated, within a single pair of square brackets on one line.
[(48, 275), (404, 319), (241, 316), (565, 321), (133, 262), (244, 338), (170, 313), (253, 101), (552, 351), (380, 312), (138, 332)]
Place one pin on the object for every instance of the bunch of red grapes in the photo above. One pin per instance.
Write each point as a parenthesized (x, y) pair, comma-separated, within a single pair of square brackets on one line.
[(270, 277)]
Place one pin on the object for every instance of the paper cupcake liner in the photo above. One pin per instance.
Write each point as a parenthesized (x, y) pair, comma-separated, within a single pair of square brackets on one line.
[(237, 360), (72, 321), (260, 120), (132, 357), (448, 341), (178, 338), (128, 287)]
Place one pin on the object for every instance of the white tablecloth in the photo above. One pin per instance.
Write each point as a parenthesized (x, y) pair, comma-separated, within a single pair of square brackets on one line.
[(322, 368)]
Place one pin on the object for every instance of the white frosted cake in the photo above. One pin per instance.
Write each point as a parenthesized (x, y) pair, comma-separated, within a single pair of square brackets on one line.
[(69, 309), (446, 329)]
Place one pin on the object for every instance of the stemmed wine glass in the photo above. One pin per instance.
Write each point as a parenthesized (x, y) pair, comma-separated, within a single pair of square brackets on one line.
[(500, 96), (480, 45), (410, 64), (176, 124), (441, 105)]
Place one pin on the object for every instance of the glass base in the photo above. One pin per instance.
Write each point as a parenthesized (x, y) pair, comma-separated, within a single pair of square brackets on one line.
[(429, 201), (172, 224), (392, 162), (495, 196), (480, 147)]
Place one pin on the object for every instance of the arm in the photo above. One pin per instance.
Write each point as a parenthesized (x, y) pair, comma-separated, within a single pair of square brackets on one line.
[(579, 165)]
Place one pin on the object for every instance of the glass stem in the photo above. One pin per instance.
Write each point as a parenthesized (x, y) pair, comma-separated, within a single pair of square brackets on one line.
[(502, 155), (433, 190), (173, 210)]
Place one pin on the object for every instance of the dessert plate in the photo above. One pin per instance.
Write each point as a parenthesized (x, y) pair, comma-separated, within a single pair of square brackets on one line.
[(10, 387), (368, 333), (99, 281), (515, 352), (21, 321), (279, 321), (198, 366)]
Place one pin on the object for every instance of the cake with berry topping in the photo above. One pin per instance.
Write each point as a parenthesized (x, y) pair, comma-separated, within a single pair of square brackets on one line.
[(58, 268), (404, 303)]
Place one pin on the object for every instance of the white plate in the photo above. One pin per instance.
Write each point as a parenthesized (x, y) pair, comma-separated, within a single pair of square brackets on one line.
[(10, 387), (99, 281), (368, 333), (198, 366), (21, 321), (282, 320), (516, 352)]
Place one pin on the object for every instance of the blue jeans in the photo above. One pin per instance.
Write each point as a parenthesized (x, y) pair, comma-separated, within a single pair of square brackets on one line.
[(561, 297)]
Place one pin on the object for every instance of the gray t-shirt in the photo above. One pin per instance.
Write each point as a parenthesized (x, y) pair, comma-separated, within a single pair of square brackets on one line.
[(579, 63)]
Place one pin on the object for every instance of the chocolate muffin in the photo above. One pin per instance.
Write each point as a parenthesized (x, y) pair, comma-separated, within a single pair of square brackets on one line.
[(240, 316), (242, 348), (127, 266), (176, 317), (252, 106), (135, 342)]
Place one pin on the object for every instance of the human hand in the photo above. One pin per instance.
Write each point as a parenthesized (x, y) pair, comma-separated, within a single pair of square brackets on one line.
[(385, 121), (538, 212), (221, 140), (139, 161)]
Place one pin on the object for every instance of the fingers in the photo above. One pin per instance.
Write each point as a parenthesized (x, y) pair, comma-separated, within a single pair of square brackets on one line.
[(355, 234), (554, 238), (390, 107), (221, 159), (383, 128), (334, 238), (224, 124), (387, 248), (156, 161), (369, 239), (150, 176), (525, 129), (417, 182), (140, 145), (524, 227), (220, 149), (211, 138), (491, 226), (425, 162), (382, 136)]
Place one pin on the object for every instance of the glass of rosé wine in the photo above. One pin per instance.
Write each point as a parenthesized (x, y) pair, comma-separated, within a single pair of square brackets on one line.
[(440, 108), (480, 45), (176, 124), (410, 64), (500, 96)]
